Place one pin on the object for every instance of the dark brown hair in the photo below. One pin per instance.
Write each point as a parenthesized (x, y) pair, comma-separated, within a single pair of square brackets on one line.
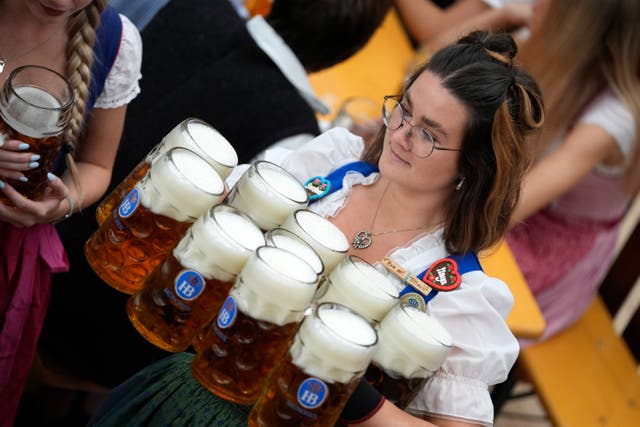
[(504, 104)]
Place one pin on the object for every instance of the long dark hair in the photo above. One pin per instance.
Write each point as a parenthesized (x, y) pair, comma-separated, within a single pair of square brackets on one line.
[(504, 105)]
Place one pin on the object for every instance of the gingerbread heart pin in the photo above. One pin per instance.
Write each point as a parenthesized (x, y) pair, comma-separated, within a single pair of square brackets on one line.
[(443, 275)]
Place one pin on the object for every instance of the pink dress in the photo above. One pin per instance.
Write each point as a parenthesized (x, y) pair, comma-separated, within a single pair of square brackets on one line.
[(565, 249), (30, 256)]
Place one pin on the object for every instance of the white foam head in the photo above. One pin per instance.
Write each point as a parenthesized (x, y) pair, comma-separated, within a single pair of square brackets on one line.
[(202, 138), (181, 185), (33, 112), (411, 344), (274, 286), (285, 239), (268, 194), (358, 285), (219, 243), (322, 235), (333, 343)]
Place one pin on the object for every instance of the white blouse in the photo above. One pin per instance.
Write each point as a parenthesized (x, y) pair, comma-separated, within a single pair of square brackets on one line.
[(474, 314), (121, 85)]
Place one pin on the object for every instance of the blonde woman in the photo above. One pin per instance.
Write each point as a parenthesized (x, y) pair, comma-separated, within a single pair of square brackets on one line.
[(99, 52), (585, 54)]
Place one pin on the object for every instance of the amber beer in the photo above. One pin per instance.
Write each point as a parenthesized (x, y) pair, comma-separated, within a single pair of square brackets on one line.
[(34, 109), (323, 366), (255, 324), (152, 218), (186, 291), (358, 285), (322, 235), (193, 134), (268, 194), (411, 346)]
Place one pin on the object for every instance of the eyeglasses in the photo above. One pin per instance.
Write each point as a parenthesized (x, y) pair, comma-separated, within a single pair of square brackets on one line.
[(421, 140)]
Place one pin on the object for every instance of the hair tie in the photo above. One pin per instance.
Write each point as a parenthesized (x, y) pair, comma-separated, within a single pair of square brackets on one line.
[(67, 148)]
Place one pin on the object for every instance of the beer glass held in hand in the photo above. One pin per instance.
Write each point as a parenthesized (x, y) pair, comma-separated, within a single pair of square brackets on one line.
[(34, 108), (186, 291), (322, 235), (268, 194), (411, 346), (152, 218), (255, 325), (326, 360), (193, 134), (358, 285)]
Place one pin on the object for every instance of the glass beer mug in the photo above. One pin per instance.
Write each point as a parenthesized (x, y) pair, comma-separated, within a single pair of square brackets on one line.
[(176, 191), (358, 285), (255, 324), (320, 371), (186, 291), (411, 346), (281, 238), (34, 108), (268, 194), (322, 235), (193, 134)]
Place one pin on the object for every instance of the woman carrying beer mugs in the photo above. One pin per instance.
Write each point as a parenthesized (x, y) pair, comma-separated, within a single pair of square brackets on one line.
[(101, 66), (448, 168)]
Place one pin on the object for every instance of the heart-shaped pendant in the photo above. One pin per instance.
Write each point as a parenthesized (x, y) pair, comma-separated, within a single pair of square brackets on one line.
[(362, 240)]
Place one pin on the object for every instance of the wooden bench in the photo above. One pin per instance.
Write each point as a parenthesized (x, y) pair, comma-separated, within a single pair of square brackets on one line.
[(588, 375)]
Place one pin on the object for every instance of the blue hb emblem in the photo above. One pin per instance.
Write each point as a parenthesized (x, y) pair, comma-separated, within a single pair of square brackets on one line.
[(189, 285), (129, 204), (312, 393), (228, 312)]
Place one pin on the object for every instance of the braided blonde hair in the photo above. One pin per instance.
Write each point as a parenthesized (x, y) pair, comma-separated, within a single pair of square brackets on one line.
[(81, 32)]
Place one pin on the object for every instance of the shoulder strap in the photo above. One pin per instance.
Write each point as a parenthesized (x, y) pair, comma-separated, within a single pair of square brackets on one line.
[(105, 51), (334, 181)]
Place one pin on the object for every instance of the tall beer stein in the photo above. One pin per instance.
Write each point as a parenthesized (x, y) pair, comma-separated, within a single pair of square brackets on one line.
[(255, 324), (193, 134), (411, 346), (320, 233), (34, 108), (268, 194), (176, 191), (358, 285), (322, 368), (186, 291), (281, 238)]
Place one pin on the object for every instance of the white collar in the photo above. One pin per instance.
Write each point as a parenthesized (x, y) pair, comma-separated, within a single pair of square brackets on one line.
[(283, 57)]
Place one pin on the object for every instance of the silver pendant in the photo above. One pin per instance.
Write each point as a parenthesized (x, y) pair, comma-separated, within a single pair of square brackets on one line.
[(362, 240)]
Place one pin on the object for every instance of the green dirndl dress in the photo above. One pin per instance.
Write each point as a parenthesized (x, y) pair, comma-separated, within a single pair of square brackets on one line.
[(166, 394)]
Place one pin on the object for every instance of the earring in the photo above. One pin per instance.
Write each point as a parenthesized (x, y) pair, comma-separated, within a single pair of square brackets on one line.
[(459, 185)]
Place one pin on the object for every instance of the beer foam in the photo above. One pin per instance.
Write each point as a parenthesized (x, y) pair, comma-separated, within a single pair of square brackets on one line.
[(219, 243), (181, 185), (200, 137), (261, 196), (358, 285), (411, 343), (296, 246), (275, 286), (321, 234), (38, 117), (333, 343)]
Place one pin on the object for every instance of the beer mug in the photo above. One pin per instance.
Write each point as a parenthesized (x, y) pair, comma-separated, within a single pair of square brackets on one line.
[(281, 238), (358, 285), (186, 291), (34, 108), (322, 368), (255, 324), (268, 194), (193, 134), (322, 235), (411, 346), (176, 191)]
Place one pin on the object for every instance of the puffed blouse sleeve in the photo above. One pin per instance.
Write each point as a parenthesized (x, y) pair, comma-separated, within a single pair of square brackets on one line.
[(484, 349), (122, 83)]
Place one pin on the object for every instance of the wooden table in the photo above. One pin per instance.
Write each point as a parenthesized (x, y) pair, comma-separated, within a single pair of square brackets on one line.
[(379, 69)]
